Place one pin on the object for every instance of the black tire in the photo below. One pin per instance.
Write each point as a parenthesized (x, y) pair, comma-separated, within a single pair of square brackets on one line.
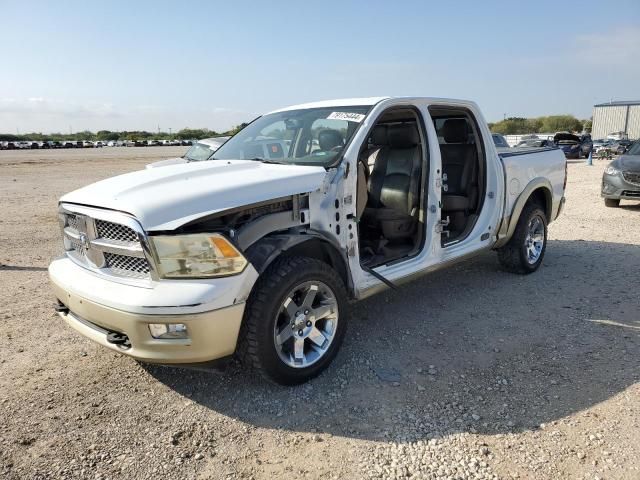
[(263, 310), (612, 202), (514, 255)]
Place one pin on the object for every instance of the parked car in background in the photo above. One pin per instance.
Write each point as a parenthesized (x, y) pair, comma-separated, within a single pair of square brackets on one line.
[(621, 146), (153, 143), (499, 140), (621, 178), (599, 143), (199, 151), (586, 145), (617, 136), (539, 143), (570, 144)]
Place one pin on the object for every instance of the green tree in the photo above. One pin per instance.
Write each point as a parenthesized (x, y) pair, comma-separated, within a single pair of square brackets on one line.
[(561, 123), (106, 135)]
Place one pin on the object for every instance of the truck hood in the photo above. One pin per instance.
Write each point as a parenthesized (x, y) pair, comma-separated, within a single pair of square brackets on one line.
[(169, 161), (166, 198)]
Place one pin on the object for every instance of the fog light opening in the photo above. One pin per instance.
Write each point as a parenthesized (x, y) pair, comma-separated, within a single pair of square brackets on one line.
[(170, 331)]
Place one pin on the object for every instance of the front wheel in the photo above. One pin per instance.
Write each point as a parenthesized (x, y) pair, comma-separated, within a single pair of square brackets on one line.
[(295, 320), (612, 202), (525, 250)]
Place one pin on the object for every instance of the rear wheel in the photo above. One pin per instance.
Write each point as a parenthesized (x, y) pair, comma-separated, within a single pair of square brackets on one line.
[(295, 320), (612, 202), (525, 250)]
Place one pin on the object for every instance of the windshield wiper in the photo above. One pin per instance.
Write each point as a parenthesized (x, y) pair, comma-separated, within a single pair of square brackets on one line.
[(268, 160)]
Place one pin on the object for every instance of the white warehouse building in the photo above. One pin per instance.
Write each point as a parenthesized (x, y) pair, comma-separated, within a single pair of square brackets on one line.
[(616, 117)]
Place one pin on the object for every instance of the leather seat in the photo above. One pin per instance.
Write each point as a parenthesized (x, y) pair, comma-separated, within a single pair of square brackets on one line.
[(377, 140), (459, 163), (394, 183), (329, 139)]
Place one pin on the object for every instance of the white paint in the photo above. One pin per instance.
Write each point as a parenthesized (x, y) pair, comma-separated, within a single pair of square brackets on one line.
[(165, 198)]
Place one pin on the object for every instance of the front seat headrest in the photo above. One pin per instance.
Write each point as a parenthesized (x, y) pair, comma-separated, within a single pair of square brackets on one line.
[(404, 135), (455, 130), (328, 139), (379, 136)]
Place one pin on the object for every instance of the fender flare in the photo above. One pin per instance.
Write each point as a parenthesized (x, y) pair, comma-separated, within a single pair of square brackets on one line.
[(510, 221)]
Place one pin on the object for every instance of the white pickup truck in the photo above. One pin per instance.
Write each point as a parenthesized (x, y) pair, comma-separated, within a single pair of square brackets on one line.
[(260, 249)]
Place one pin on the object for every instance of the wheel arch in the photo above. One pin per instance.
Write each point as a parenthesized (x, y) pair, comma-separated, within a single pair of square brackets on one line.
[(310, 244), (537, 190)]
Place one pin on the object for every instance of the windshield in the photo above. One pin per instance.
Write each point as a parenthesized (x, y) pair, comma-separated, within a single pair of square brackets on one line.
[(634, 149), (198, 152), (312, 136)]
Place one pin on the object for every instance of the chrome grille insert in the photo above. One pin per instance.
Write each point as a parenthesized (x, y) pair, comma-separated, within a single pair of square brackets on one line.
[(103, 245), (115, 231), (127, 266)]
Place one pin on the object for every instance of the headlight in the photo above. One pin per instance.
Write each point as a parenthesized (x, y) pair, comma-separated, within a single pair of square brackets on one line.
[(611, 170), (199, 255)]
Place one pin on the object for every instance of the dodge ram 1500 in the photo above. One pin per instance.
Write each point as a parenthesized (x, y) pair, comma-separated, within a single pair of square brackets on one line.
[(259, 250)]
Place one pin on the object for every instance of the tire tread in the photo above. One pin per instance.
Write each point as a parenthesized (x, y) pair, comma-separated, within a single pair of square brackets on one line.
[(261, 300), (510, 255)]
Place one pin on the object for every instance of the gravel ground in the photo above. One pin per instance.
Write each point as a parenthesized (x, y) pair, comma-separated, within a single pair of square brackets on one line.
[(468, 373)]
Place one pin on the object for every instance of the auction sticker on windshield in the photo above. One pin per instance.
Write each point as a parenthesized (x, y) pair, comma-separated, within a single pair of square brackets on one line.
[(348, 116)]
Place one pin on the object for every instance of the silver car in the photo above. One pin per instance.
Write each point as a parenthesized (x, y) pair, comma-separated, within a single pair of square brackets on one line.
[(198, 152)]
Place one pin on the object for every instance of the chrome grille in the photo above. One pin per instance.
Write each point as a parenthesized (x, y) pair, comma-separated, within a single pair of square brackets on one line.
[(115, 231), (127, 266), (72, 221), (632, 177), (79, 248), (106, 246)]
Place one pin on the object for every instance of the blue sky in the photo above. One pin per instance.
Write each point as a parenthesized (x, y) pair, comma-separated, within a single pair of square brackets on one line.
[(139, 65)]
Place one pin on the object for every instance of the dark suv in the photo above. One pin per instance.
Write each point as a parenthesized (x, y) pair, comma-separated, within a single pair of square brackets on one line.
[(621, 178)]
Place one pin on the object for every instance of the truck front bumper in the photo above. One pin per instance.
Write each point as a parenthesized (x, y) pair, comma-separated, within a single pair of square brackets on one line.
[(211, 334)]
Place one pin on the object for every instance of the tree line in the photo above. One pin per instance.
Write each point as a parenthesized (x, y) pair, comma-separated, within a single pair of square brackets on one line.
[(108, 135), (549, 124)]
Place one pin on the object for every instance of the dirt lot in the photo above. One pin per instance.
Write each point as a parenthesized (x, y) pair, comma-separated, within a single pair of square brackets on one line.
[(468, 373)]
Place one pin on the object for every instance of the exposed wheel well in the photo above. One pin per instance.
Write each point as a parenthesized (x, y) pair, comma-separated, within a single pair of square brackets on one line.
[(542, 196), (264, 252), (323, 251)]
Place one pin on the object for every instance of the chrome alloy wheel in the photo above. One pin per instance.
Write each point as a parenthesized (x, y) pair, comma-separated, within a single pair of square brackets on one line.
[(306, 324), (534, 241)]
